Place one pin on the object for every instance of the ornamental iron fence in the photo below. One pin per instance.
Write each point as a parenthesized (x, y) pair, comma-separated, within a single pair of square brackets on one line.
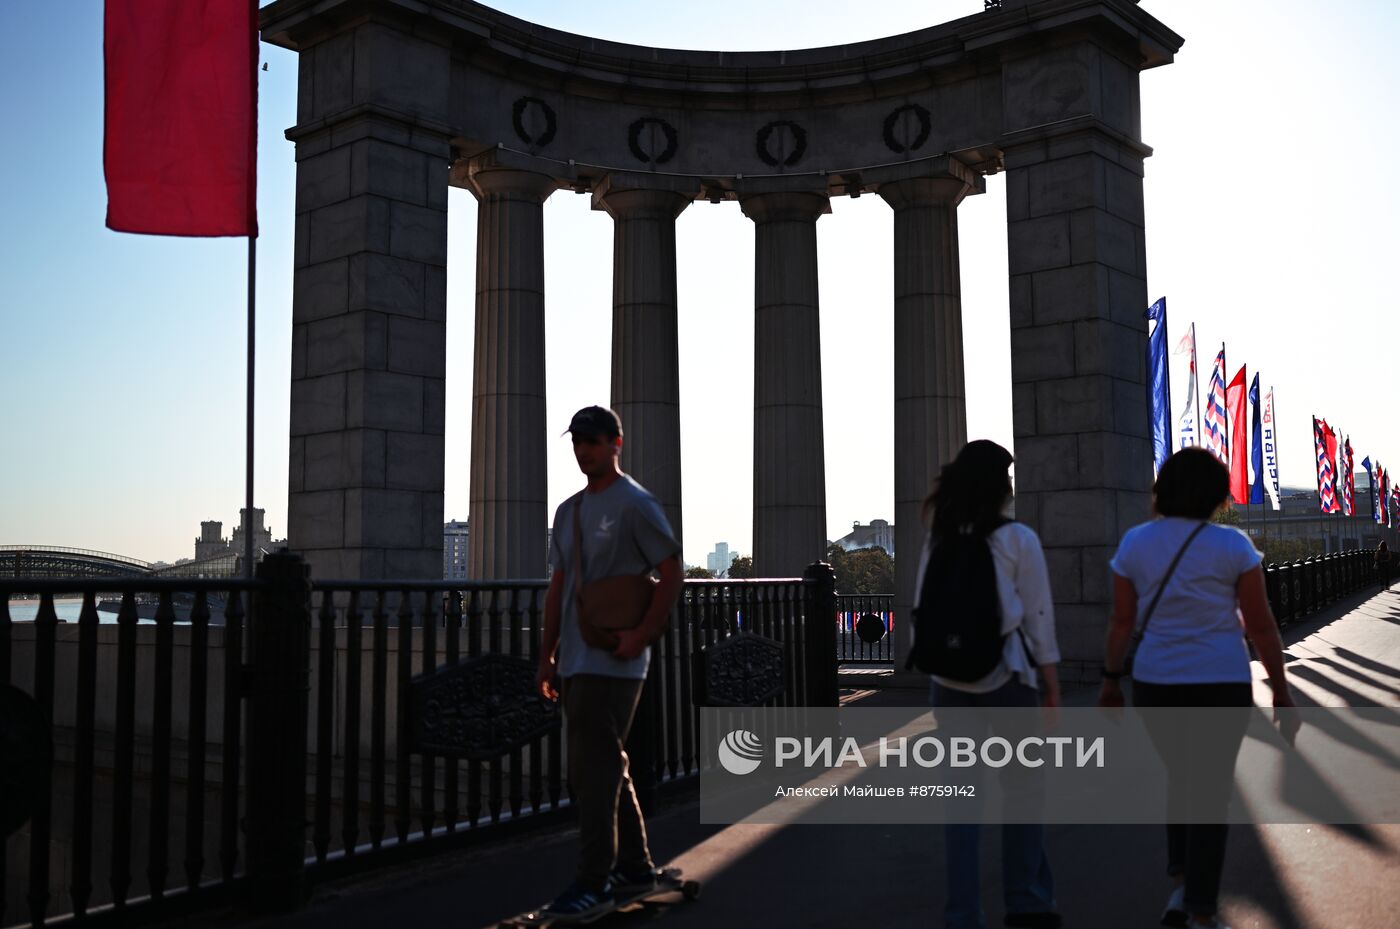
[(284, 730)]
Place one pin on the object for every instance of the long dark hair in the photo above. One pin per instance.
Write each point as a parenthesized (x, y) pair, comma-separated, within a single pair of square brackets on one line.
[(970, 490)]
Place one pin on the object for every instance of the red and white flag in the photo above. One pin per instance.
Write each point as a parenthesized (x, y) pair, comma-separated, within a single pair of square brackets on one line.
[(1217, 438), (180, 140)]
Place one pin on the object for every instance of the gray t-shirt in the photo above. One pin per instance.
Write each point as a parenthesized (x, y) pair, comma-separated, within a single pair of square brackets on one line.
[(624, 532)]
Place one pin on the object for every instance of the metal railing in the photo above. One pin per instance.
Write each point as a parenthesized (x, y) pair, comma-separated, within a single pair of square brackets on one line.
[(1306, 586), (187, 754), (140, 775), (864, 628)]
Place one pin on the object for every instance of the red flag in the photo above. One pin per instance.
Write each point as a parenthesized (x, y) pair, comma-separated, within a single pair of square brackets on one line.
[(180, 144), (1236, 407)]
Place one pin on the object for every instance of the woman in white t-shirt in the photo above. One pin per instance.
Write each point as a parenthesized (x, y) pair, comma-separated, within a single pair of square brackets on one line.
[(971, 496), (1192, 654)]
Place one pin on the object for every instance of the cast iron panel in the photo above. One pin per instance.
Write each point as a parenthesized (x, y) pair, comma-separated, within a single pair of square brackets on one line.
[(745, 669), (478, 709)]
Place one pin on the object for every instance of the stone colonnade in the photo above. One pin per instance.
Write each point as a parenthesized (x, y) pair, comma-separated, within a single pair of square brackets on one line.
[(396, 102)]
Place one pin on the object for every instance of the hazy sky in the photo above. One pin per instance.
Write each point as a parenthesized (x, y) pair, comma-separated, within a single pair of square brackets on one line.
[(1269, 223)]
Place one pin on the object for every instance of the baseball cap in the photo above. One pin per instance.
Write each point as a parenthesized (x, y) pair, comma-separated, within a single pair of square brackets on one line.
[(596, 421)]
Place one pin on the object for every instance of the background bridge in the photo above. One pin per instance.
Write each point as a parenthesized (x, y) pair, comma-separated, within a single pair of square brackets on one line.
[(53, 561), (44, 561)]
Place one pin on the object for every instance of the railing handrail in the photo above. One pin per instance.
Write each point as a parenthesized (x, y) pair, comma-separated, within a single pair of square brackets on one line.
[(741, 581), (124, 559), (118, 585), (420, 585)]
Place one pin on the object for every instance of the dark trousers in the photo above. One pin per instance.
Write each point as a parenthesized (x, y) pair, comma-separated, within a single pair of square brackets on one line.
[(1028, 885), (598, 712), (1204, 773)]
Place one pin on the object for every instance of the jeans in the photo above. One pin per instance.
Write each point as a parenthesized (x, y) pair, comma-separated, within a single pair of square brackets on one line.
[(598, 711), (1196, 852), (1027, 884)]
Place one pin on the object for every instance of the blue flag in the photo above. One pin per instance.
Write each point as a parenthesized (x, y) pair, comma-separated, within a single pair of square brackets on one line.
[(1159, 384), (1371, 487), (1256, 450)]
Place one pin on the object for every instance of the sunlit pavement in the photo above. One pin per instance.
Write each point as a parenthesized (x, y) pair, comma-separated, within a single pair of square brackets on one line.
[(1277, 877)]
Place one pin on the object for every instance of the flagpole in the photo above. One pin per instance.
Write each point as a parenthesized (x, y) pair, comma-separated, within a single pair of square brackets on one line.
[(1200, 436), (248, 463)]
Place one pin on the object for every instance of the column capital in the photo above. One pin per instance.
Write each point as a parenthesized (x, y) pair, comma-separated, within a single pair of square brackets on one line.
[(639, 203), (934, 190), (792, 206), (485, 178)]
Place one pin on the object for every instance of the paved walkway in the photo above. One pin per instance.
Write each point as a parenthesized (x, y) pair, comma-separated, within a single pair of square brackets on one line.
[(1277, 877)]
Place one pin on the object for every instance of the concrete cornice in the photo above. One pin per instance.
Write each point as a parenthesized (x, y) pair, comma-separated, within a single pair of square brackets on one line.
[(581, 63)]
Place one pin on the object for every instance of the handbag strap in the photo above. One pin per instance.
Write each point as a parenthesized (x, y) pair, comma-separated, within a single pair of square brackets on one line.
[(1171, 569), (578, 545), (578, 553)]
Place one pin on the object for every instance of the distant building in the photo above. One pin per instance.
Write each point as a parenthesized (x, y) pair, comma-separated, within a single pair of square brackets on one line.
[(211, 543), (454, 550), (879, 532), (262, 537), (717, 562)]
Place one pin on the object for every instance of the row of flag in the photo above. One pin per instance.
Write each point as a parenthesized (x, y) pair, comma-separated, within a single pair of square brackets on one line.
[(1224, 428), (1336, 478), (1223, 431)]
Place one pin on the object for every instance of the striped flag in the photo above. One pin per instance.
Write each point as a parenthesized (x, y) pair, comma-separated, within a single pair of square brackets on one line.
[(1216, 433), (1326, 491), (1329, 436), (1348, 480)]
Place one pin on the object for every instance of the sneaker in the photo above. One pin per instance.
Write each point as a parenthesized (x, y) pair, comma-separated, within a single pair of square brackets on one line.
[(1041, 920), (579, 902), (1174, 914), (633, 880)]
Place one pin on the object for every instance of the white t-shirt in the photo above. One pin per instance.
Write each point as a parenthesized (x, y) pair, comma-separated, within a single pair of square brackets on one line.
[(1195, 636), (1023, 587)]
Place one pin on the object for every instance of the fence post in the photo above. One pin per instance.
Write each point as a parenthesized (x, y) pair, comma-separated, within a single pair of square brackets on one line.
[(819, 632), (279, 682)]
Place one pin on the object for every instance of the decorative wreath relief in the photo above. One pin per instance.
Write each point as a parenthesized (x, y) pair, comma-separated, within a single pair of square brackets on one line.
[(781, 143), (652, 140), (534, 122), (906, 129)]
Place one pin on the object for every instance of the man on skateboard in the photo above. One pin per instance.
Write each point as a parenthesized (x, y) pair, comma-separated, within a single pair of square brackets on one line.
[(621, 531)]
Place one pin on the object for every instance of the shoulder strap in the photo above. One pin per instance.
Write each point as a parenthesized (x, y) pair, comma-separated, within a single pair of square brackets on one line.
[(1171, 569), (578, 546)]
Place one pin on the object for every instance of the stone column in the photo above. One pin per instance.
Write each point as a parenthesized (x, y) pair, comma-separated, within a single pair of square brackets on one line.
[(645, 365), (369, 294), (508, 508), (1078, 293), (789, 480), (930, 403)]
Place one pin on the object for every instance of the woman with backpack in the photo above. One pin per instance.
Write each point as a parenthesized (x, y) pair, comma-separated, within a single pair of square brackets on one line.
[(1191, 580), (976, 555)]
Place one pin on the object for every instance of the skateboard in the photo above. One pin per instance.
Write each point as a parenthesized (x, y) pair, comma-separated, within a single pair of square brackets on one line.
[(670, 884)]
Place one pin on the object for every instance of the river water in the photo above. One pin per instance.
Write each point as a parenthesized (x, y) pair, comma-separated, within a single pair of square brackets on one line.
[(25, 611)]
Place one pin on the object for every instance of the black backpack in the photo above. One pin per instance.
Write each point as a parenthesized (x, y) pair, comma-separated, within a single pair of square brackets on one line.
[(957, 622)]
